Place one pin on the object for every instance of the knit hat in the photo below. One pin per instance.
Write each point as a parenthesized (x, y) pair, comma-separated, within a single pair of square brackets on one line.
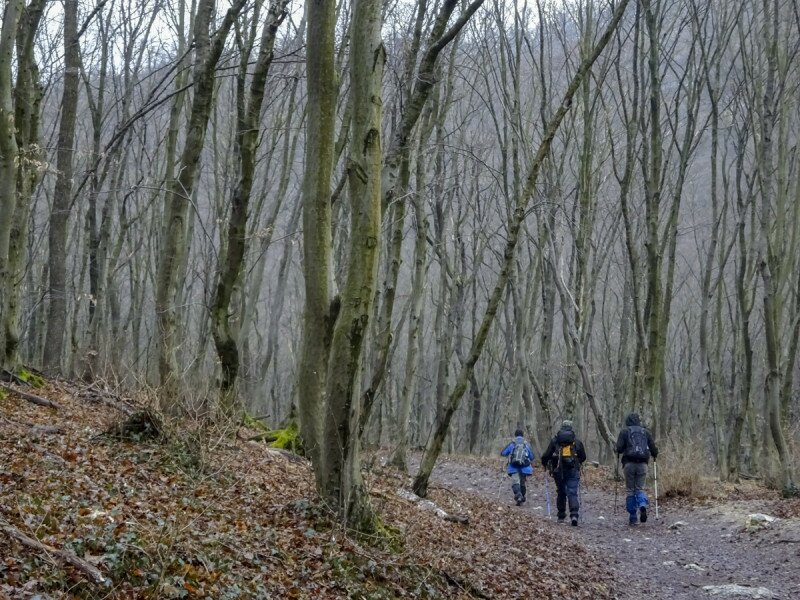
[(566, 424), (519, 433)]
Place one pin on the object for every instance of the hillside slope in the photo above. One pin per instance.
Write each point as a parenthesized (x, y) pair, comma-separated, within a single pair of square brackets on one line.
[(201, 514)]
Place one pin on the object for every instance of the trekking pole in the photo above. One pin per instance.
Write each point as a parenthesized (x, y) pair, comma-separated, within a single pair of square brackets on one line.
[(546, 494), (616, 485), (655, 480)]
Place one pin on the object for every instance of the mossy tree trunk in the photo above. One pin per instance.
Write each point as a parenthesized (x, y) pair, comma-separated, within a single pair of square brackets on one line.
[(233, 252), (27, 100), (768, 259), (341, 481), (175, 245), (319, 310), (8, 150)]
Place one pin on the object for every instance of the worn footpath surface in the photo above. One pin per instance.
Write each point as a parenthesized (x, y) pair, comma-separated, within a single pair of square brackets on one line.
[(659, 560)]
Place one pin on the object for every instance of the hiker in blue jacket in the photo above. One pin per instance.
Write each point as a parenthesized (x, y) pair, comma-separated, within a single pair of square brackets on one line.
[(636, 446), (563, 458), (520, 457)]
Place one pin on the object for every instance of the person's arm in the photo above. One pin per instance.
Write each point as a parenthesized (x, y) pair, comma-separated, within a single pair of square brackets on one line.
[(507, 450), (652, 444), (581, 452), (622, 441)]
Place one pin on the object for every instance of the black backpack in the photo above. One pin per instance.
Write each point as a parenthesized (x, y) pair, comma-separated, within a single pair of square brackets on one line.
[(519, 455), (566, 450), (637, 450)]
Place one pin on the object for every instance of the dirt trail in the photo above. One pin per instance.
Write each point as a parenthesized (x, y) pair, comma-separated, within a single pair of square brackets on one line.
[(655, 561)]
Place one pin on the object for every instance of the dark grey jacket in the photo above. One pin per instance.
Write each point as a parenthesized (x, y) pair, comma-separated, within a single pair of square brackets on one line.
[(623, 439)]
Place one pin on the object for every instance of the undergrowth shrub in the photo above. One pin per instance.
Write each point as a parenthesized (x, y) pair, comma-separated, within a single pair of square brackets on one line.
[(682, 472)]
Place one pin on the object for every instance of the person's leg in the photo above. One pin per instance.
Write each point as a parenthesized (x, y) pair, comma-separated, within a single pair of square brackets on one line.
[(630, 486), (641, 496), (572, 482), (522, 489), (515, 487), (561, 496)]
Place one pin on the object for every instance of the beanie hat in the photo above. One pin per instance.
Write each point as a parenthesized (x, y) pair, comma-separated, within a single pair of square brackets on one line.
[(566, 424)]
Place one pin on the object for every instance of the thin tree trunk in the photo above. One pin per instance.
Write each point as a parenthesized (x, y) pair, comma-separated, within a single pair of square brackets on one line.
[(62, 195), (233, 253), (179, 194)]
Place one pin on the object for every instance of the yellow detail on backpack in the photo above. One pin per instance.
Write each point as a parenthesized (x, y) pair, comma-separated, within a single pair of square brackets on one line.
[(567, 451)]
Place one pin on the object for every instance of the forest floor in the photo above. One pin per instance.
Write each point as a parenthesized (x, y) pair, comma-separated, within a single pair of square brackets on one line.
[(693, 549), (87, 512)]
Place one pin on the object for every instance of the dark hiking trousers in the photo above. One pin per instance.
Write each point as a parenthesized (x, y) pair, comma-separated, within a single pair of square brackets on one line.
[(518, 486), (567, 486)]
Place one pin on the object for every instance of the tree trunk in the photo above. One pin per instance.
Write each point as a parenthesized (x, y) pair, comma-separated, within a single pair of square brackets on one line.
[(8, 152), (62, 195), (174, 251), (320, 310), (341, 477), (233, 253)]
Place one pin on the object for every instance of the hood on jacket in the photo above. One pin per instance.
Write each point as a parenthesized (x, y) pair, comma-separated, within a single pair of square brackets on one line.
[(632, 420)]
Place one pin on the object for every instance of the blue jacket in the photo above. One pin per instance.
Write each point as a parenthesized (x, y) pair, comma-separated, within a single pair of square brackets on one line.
[(510, 448)]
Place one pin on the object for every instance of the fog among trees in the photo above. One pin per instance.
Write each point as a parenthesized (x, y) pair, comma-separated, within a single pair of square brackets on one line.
[(414, 225)]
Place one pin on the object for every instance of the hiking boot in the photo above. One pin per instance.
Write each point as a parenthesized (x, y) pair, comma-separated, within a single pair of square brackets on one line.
[(643, 514), (632, 521), (574, 521), (562, 519)]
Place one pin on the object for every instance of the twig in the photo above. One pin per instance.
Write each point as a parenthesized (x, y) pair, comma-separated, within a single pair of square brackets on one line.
[(462, 519), (34, 429), (68, 557), (30, 397)]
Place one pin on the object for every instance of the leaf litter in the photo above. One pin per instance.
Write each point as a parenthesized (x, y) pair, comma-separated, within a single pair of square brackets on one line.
[(247, 524)]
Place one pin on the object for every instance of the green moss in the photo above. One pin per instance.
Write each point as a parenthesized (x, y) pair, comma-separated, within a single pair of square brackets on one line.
[(287, 438), (253, 423), (390, 536), (31, 378)]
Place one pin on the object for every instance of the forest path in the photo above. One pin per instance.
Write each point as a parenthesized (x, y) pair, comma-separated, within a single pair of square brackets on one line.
[(653, 560)]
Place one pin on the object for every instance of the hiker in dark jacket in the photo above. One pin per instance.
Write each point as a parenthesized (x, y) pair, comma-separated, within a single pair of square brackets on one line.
[(520, 457), (636, 446), (563, 458)]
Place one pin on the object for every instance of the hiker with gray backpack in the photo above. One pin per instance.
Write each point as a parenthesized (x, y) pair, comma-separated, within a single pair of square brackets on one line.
[(636, 446), (520, 457), (563, 458)]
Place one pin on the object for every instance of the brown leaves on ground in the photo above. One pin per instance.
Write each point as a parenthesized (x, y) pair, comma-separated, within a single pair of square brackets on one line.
[(242, 521)]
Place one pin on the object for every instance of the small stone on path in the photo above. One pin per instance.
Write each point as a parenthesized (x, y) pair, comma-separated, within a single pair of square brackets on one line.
[(739, 591), (758, 521)]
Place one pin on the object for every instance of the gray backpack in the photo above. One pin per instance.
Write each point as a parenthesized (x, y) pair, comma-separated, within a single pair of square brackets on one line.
[(519, 455)]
